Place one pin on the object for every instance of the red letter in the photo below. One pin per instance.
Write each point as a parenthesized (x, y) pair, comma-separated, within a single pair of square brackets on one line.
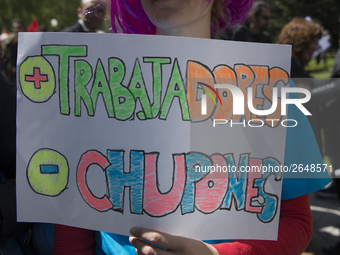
[(87, 159)]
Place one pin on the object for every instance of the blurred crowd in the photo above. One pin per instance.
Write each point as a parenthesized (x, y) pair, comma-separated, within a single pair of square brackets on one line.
[(306, 37), (91, 15)]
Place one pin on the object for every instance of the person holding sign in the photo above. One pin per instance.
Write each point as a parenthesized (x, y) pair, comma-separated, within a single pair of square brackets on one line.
[(203, 19)]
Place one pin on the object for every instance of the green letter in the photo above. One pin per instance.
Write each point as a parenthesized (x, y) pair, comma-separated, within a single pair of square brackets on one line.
[(100, 85), (82, 77), (123, 101), (64, 52), (137, 87), (157, 81), (175, 89)]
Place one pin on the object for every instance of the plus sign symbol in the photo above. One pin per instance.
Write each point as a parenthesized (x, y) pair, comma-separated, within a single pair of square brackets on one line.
[(37, 79)]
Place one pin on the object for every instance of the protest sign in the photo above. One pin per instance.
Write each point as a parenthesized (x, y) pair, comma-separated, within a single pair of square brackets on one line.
[(116, 131)]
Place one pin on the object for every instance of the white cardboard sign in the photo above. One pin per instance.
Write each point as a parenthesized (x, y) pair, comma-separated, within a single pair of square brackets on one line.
[(106, 140)]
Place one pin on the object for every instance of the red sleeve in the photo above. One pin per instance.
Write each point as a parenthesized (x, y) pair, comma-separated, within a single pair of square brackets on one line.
[(73, 241), (295, 232)]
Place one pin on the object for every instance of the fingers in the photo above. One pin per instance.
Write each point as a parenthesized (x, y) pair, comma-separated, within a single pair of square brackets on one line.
[(144, 239), (158, 238), (144, 248)]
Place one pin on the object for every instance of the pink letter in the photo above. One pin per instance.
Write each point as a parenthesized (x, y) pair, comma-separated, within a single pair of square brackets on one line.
[(155, 202), (87, 159)]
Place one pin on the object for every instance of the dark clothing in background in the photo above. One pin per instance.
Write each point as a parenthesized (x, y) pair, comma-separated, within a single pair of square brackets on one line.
[(76, 27), (336, 66), (11, 62), (242, 33), (7, 127), (298, 71), (9, 227)]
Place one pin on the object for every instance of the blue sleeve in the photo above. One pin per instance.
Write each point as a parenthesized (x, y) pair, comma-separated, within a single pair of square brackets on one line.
[(108, 243), (301, 148)]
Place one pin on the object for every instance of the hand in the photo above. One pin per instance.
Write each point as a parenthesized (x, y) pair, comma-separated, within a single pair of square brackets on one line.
[(173, 244)]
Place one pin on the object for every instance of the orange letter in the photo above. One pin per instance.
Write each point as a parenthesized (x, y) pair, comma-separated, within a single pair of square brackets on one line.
[(245, 77), (198, 73), (224, 75), (276, 75)]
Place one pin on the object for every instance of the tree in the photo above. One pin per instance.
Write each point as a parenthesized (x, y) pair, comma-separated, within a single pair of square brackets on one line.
[(324, 12), (65, 11)]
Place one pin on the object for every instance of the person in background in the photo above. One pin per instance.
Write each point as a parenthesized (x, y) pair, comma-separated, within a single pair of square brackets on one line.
[(202, 19), (16, 238), (91, 14), (10, 229), (303, 35), (254, 28), (12, 51), (8, 225), (3, 43), (43, 28)]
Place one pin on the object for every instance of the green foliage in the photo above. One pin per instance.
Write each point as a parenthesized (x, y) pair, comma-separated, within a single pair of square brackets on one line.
[(65, 11), (321, 70)]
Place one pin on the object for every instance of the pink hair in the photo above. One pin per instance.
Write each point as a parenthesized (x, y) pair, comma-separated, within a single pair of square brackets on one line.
[(132, 19)]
